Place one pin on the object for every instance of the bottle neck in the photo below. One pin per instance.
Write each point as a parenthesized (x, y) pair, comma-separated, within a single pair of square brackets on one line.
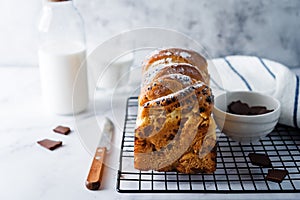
[(61, 21)]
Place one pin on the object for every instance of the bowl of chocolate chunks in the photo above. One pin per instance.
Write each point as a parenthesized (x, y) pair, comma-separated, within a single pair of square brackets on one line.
[(246, 116)]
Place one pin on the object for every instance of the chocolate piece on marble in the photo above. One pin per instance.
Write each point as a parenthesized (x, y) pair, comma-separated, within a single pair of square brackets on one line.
[(50, 144), (62, 130)]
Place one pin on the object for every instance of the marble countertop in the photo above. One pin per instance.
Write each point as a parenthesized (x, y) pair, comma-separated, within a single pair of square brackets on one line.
[(28, 171)]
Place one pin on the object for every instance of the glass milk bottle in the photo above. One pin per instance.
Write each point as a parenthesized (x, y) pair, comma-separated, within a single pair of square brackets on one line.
[(62, 53)]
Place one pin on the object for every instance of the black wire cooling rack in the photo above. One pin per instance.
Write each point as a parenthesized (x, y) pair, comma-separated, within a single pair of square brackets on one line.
[(234, 174)]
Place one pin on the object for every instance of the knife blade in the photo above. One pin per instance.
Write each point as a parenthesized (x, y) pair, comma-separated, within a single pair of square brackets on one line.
[(94, 177)]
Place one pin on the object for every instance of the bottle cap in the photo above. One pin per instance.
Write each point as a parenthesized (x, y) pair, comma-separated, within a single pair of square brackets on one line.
[(58, 0)]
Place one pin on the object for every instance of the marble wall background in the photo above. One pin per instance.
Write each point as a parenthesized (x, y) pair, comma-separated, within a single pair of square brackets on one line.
[(267, 28)]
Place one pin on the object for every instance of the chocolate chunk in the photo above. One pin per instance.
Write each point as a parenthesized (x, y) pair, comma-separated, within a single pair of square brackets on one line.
[(254, 110), (262, 160), (276, 175), (258, 110), (204, 91), (168, 101), (237, 107), (171, 137), (201, 109), (209, 99), (62, 130), (240, 108), (173, 99), (50, 144)]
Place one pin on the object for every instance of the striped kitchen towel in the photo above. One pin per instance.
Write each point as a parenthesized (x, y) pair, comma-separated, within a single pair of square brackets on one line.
[(250, 73)]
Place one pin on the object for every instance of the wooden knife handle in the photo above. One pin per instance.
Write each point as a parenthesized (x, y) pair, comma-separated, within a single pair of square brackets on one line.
[(93, 181)]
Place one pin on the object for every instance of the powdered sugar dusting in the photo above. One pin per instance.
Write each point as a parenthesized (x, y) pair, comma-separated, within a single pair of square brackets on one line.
[(185, 80), (150, 74), (176, 94), (185, 54), (168, 53)]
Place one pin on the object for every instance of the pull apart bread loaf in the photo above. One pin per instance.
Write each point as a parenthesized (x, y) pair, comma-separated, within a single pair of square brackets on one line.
[(174, 128)]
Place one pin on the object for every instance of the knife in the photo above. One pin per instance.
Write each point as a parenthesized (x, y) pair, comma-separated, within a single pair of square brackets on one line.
[(94, 177)]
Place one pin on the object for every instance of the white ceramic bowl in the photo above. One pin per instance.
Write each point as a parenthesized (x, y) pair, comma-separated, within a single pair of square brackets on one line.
[(246, 128)]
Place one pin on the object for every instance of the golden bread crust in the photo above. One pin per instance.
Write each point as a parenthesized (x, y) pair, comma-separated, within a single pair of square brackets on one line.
[(177, 55)]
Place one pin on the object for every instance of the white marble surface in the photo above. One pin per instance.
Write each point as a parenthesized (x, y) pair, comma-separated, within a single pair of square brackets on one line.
[(28, 171)]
